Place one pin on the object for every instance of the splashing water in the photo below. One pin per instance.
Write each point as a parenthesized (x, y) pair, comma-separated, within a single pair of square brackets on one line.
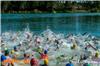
[(58, 44)]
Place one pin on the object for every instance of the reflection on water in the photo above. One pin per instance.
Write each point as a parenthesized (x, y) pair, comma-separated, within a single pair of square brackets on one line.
[(65, 23)]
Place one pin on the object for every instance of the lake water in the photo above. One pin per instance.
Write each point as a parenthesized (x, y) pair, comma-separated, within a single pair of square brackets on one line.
[(60, 22)]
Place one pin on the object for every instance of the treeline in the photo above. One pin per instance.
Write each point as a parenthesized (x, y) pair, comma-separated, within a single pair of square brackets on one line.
[(49, 6)]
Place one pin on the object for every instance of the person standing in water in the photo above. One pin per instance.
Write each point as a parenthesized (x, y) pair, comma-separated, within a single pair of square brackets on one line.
[(26, 58), (34, 61), (44, 58), (37, 41), (7, 60)]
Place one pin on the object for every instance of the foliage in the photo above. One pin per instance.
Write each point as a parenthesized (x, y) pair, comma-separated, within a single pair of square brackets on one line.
[(49, 6)]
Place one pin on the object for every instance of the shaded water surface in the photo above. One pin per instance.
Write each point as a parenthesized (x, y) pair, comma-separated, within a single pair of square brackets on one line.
[(61, 22)]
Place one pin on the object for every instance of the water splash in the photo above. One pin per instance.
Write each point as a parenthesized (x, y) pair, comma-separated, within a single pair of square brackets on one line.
[(56, 43)]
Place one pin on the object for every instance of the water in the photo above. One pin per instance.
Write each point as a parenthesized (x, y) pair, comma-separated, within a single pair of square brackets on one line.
[(19, 25), (60, 22)]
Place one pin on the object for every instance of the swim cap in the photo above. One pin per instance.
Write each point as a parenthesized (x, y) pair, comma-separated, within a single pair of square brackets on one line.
[(97, 54), (6, 52), (6, 48), (12, 51), (86, 64), (3, 58), (15, 48), (34, 61), (45, 51), (69, 64)]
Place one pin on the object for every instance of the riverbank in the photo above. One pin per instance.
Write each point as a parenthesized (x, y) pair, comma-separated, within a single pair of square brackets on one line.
[(49, 7), (38, 11)]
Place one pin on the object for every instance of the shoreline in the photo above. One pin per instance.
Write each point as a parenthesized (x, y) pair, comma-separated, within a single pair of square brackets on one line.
[(46, 12)]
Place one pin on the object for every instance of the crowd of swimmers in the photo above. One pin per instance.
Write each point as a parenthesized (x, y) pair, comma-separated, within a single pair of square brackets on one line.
[(10, 56)]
